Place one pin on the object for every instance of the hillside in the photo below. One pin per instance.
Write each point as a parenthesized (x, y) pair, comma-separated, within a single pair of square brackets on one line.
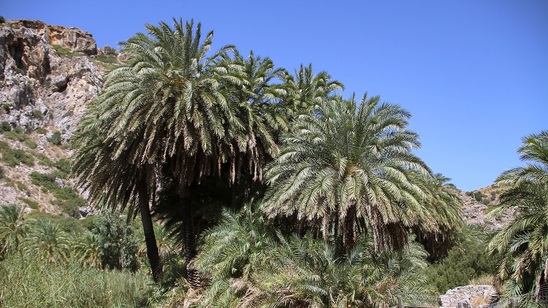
[(48, 74)]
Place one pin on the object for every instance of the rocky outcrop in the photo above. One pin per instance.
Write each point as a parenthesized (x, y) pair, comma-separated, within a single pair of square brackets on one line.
[(41, 86), (471, 296), (48, 74), (475, 213), (72, 38)]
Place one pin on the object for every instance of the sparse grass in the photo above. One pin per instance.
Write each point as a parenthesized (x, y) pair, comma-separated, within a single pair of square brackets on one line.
[(44, 160), (41, 131), (33, 204), (67, 197), (65, 52), (15, 157), (22, 187)]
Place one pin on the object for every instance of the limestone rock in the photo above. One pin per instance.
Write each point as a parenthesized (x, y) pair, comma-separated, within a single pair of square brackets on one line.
[(471, 296), (40, 87), (43, 87)]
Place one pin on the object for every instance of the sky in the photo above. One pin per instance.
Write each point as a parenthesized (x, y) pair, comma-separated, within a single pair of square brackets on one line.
[(473, 73)]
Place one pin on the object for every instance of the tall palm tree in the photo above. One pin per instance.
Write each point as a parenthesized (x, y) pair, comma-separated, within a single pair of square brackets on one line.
[(523, 242), (169, 119), (158, 119), (347, 168)]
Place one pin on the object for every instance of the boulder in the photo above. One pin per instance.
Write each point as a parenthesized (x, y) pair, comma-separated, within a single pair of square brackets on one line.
[(471, 296)]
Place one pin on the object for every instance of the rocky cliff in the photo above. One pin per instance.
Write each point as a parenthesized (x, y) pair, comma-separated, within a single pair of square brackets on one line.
[(47, 74)]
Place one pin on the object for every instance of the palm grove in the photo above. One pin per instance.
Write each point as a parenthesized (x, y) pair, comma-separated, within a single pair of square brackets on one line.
[(278, 190)]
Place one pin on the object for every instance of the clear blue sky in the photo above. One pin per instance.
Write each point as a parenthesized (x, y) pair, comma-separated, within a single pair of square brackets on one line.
[(474, 74)]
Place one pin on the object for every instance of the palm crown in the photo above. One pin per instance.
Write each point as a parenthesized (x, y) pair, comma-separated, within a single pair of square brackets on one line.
[(347, 166)]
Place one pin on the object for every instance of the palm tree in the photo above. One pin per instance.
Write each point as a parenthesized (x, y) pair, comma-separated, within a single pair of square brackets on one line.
[(522, 242), (442, 219), (158, 119), (306, 90), (12, 228), (170, 118), (347, 168), (47, 241)]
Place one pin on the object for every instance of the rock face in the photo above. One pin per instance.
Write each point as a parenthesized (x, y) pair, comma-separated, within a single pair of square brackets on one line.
[(48, 74), (472, 296), (41, 86), (475, 213)]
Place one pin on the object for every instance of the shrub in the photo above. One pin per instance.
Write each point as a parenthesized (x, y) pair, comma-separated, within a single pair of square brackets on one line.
[(37, 113), (66, 224), (22, 187), (56, 138), (2, 174), (15, 135), (2, 20), (117, 241), (64, 165), (41, 131), (64, 52), (5, 126), (24, 157), (466, 261), (30, 143), (44, 160)]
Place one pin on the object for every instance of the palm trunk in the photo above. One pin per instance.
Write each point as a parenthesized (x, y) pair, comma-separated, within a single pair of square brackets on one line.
[(189, 238), (150, 238)]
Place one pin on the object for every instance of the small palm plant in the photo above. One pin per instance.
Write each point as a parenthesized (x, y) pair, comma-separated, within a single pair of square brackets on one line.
[(48, 242), (12, 228)]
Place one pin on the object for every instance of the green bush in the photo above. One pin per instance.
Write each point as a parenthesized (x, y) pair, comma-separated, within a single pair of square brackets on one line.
[(2, 174), (44, 160), (118, 242), (24, 157), (466, 261), (5, 126), (37, 113), (2, 20), (41, 131), (56, 138)]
